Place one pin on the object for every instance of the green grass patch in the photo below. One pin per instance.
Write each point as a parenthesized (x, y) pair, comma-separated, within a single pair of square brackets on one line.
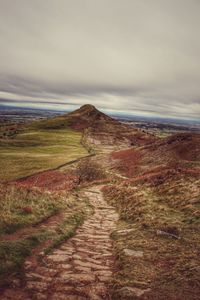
[(33, 149), (68, 227), (14, 253)]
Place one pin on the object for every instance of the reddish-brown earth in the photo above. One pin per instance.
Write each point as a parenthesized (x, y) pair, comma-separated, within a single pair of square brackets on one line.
[(127, 161), (49, 180), (177, 151)]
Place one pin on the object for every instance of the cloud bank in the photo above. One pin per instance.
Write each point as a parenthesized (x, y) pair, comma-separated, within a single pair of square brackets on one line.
[(140, 57)]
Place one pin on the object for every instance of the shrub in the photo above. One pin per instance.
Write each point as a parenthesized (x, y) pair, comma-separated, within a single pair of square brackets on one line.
[(88, 170)]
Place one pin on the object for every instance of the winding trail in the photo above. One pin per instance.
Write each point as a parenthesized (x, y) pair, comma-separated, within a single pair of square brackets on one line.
[(81, 268)]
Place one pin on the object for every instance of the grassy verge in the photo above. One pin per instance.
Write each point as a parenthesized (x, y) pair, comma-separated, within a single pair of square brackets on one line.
[(68, 227), (21, 207), (156, 242), (13, 253)]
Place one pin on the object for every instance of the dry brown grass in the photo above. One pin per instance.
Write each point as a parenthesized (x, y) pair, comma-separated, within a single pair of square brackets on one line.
[(20, 206), (163, 216)]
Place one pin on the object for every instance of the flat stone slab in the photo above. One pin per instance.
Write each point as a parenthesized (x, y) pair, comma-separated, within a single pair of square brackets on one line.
[(78, 278), (125, 231), (58, 258), (133, 253)]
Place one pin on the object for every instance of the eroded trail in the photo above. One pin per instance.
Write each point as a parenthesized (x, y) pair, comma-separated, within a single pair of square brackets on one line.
[(82, 267)]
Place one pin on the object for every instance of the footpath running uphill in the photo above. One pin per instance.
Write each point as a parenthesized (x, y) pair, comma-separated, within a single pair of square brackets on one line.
[(81, 268)]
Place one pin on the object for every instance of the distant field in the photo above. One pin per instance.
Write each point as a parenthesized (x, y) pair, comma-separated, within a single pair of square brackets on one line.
[(35, 149)]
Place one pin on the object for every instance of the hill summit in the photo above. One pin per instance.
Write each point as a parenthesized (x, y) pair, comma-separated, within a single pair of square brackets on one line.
[(100, 128), (87, 115), (85, 109)]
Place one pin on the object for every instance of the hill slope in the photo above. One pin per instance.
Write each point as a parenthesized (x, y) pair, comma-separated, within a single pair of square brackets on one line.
[(100, 129)]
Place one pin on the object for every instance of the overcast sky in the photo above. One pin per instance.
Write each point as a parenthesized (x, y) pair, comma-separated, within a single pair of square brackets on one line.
[(140, 56)]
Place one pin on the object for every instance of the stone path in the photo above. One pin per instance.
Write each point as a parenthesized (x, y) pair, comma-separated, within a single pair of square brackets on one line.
[(82, 267)]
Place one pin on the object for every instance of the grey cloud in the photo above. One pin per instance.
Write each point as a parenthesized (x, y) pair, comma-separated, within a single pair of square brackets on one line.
[(123, 55)]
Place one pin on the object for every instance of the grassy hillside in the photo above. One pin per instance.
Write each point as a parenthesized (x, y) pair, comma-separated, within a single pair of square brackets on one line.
[(37, 148), (46, 144), (157, 240)]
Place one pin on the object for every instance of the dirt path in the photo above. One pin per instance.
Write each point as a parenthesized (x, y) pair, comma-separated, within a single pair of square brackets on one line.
[(82, 267), (50, 223)]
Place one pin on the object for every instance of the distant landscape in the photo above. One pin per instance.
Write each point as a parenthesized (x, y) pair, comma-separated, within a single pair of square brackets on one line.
[(53, 165), (15, 115)]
